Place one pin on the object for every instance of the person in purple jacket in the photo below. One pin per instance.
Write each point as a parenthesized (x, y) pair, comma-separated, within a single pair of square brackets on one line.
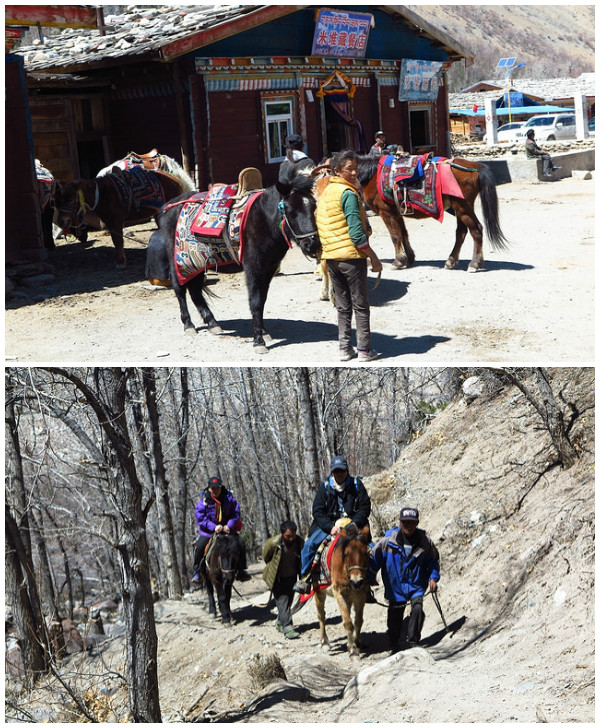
[(217, 511)]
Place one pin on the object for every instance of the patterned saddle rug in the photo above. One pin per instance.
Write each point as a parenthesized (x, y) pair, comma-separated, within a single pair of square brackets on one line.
[(412, 183), (214, 213), (46, 184), (323, 555), (196, 252), (138, 189)]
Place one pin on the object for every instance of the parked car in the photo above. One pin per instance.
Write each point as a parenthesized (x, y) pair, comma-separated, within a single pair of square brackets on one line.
[(507, 132), (549, 127)]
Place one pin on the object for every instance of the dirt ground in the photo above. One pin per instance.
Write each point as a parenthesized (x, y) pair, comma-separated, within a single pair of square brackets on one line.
[(533, 302)]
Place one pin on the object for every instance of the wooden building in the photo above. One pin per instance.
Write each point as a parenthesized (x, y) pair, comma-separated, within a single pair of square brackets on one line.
[(224, 93), (220, 87)]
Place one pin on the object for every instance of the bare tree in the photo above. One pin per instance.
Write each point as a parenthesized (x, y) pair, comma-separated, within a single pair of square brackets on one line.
[(107, 398)]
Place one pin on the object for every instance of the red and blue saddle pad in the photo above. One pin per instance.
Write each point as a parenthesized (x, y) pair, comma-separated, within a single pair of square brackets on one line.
[(420, 181)]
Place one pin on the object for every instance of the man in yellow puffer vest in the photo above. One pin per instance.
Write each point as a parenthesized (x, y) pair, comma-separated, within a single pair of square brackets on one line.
[(344, 233)]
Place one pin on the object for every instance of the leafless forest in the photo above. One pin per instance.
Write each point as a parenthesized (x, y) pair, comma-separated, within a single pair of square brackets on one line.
[(104, 466)]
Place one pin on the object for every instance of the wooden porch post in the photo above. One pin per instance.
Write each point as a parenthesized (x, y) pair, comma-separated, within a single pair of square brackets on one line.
[(181, 120)]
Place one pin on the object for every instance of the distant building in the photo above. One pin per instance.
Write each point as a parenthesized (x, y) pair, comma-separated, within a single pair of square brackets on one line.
[(527, 98)]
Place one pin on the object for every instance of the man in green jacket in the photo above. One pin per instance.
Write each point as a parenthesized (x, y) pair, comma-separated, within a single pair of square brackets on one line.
[(281, 554)]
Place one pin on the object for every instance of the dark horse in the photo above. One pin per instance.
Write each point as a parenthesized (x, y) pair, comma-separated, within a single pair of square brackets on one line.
[(219, 572), (282, 212), (99, 203), (474, 179)]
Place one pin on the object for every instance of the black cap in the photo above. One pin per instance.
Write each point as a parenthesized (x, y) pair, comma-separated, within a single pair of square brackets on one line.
[(409, 514), (293, 140), (530, 133), (214, 482), (338, 462)]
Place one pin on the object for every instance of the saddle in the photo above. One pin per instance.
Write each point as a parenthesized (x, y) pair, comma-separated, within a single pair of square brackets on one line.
[(151, 160), (411, 183), (209, 230)]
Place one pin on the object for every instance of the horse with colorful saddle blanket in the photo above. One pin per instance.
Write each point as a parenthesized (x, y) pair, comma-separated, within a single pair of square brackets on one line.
[(265, 221)]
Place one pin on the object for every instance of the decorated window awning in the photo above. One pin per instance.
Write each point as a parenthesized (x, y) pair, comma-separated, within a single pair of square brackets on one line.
[(251, 83)]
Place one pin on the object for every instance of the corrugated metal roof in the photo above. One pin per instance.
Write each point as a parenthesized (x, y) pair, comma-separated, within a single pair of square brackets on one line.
[(547, 89)]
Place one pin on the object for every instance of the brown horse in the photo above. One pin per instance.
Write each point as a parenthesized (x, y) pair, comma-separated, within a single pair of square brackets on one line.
[(115, 201), (348, 556), (474, 179)]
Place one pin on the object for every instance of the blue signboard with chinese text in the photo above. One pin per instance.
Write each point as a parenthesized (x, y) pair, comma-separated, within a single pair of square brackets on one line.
[(419, 80), (341, 34)]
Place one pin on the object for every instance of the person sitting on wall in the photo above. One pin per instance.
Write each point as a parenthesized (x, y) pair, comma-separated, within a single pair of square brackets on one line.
[(533, 151)]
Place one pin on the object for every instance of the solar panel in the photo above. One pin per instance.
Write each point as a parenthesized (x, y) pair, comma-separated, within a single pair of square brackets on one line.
[(506, 62)]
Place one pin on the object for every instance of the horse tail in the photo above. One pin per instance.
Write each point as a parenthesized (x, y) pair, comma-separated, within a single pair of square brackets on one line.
[(489, 204)]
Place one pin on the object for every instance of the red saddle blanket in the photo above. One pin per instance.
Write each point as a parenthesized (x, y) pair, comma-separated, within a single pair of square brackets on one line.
[(196, 252), (325, 574), (214, 213), (417, 183)]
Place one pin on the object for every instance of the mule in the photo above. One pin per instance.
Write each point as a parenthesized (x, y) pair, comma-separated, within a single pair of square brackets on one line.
[(114, 201), (281, 213), (474, 180), (153, 160), (219, 572), (349, 558)]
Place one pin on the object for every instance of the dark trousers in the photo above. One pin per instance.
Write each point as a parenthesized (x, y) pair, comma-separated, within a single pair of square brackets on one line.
[(547, 165), (283, 593), (349, 278), (395, 618), (201, 542)]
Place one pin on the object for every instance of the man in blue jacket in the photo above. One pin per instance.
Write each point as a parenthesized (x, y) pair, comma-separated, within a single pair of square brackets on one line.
[(340, 496), (409, 563)]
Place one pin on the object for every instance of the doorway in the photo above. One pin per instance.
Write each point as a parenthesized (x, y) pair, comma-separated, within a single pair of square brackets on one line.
[(337, 132)]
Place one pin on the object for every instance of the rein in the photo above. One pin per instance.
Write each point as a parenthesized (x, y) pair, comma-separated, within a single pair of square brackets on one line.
[(459, 166)]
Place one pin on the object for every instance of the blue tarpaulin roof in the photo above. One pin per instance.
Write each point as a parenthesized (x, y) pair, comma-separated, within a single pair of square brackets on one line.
[(543, 109)]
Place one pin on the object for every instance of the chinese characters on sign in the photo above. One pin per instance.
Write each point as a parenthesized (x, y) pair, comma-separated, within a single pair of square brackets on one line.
[(419, 80), (341, 34)]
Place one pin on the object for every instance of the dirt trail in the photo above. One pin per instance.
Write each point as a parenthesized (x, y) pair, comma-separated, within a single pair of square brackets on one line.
[(533, 302)]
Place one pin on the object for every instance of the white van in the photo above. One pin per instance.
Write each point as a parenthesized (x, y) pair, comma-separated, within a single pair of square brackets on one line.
[(549, 127)]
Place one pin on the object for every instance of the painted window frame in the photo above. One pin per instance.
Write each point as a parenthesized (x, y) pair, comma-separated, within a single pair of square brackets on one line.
[(285, 124)]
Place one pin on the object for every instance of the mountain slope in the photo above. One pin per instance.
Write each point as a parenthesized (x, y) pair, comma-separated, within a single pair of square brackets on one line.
[(553, 40)]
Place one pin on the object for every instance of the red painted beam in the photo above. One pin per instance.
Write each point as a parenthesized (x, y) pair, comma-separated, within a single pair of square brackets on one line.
[(55, 16), (226, 29)]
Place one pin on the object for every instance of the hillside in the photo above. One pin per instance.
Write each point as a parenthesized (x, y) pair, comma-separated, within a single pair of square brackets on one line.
[(516, 536), (553, 40)]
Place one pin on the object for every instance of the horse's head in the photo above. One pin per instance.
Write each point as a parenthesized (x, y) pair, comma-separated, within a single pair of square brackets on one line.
[(227, 553), (298, 207), (71, 202), (355, 555)]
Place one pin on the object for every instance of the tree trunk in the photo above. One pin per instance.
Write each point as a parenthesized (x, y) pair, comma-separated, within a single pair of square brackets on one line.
[(108, 400), (165, 518), (23, 595)]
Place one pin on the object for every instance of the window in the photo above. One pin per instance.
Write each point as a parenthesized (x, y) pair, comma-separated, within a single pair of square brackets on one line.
[(420, 127), (278, 115)]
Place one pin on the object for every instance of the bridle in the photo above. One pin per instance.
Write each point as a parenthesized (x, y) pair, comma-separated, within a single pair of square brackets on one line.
[(83, 207), (297, 236)]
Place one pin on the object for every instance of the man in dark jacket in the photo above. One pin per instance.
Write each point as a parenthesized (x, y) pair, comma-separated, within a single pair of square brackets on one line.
[(281, 554), (340, 496), (409, 563), (217, 511), (534, 152)]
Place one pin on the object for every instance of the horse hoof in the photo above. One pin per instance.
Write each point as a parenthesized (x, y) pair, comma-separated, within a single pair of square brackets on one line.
[(190, 330), (261, 349), (450, 264), (326, 647), (399, 264), (215, 330), (472, 269), (267, 337)]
